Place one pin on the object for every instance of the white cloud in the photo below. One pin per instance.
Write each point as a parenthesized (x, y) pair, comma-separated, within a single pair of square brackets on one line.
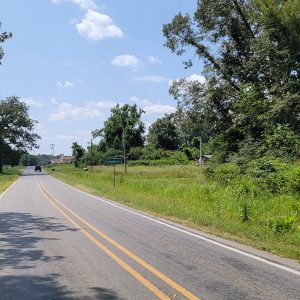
[(102, 104), (157, 108), (65, 84), (196, 77), (86, 4), (153, 108), (154, 60), (96, 26), (127, 61), (53, 100), (67, 111), (191, 78), (32, 102), (153, 78)]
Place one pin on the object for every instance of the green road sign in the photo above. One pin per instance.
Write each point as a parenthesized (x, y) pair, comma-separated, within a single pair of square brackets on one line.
[(114, 161)]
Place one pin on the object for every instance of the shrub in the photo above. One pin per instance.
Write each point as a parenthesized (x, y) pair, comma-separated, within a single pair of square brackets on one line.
[(283, 224), (294, 178), (270, 174), (135, 153), (226, 172)]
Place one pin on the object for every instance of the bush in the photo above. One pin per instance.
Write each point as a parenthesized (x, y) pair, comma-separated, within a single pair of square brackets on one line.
[(270, 174), (226, 172), (135, 153), (294, 178)]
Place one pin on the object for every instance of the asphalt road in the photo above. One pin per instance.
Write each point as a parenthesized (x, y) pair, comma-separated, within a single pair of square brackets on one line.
[(59, 243)]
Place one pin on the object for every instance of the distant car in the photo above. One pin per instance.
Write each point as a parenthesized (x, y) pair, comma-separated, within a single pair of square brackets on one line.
[(37, 168)]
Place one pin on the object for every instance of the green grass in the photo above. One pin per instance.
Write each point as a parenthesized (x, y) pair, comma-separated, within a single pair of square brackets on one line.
[(235, 210), (8, 176)]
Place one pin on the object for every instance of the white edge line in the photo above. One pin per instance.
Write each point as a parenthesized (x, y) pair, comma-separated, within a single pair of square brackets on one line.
[(188, 232), (2, 195)]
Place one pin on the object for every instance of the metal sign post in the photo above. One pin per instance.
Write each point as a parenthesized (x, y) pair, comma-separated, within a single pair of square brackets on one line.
[(114, 161), (114, 177)]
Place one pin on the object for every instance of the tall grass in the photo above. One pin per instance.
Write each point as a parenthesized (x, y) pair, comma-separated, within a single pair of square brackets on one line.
[(8, 176), (234, 209)]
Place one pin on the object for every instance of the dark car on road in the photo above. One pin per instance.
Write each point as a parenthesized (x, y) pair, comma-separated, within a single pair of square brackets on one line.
[(37, 168)]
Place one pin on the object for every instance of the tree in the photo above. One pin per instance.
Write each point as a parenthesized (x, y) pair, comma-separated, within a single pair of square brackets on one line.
[(29, 160), (163, 134), (3, 36), (10, 156), (250, 51), (127, 118), (77, 153), (16, 127)]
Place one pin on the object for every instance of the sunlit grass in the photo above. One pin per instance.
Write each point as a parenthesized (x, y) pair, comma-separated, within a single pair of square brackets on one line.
[(184, 194), (8, 176)]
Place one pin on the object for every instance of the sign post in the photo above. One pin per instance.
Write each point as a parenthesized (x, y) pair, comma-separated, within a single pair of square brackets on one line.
[(114, 161)]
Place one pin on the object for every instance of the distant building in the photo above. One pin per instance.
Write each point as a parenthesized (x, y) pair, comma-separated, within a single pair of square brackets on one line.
[(61, 160), (202, 160)]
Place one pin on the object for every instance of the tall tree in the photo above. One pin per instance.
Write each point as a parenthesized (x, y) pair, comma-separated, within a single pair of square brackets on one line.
[(250, 51), (3, 36), (163, 134), (16, 127), (77, 153), (125, 118)]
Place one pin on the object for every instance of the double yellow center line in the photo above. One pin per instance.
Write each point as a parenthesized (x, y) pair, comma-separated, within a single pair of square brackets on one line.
[(150, 286)]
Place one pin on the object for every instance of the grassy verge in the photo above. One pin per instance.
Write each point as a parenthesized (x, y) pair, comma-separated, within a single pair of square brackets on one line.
[(8, 176), (185, 195)]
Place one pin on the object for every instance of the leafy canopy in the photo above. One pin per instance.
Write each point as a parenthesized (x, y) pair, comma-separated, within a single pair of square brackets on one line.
[(128, 118), (251, 57), (16, 127)]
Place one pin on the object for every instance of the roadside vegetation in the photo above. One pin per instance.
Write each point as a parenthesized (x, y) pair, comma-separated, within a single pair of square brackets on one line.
[(247, 209), (8, 176), (242, 111)]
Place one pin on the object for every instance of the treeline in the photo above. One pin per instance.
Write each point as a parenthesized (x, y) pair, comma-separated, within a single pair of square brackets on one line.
[(246, 107)]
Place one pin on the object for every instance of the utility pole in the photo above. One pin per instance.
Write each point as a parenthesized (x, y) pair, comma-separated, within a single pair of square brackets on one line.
[(200, 143), (92, 160), (52, 148), (124, 151)]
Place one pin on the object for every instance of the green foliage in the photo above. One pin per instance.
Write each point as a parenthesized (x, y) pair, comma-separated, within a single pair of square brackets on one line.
[(127, 118), (246, 213), (240, 210), (3, 36), (294, 177), (270, 174), (163, 134), (283, 224), (248, 105), (16, 127), (29, 160), (226, 172), (135, 153), (77, 153)]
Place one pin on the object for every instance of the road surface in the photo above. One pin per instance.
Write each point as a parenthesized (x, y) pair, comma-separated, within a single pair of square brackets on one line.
[(59, 243)]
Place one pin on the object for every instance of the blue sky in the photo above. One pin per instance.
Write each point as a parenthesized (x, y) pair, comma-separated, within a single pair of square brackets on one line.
[(71, 61)]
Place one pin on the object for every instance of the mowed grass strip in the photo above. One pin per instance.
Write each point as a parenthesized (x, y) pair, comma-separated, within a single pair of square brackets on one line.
[(8, 176), (185, 195)]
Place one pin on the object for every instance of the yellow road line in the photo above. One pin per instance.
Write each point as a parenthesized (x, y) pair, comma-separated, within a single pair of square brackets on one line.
[(122, 263), (147, 266)]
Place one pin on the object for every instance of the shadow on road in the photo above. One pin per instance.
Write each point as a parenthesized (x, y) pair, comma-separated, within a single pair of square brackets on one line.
[(33, 287), (19, 235), (104, 294), (34, 174)]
